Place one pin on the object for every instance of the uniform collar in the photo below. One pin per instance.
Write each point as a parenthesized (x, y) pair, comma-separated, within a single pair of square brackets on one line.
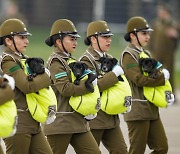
[(16, 54), (61, 53)]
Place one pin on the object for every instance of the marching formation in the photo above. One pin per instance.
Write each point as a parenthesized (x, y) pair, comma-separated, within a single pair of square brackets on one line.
[(77, 102)]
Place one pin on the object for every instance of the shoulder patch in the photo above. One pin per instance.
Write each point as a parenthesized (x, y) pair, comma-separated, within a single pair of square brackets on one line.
[(131, 65), (14, 68), (60, 75)]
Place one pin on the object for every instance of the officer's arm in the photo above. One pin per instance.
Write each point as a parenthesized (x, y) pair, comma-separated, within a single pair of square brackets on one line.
[(6, 94), (61, 79), (10, 67), (104, 82), (133, 73)]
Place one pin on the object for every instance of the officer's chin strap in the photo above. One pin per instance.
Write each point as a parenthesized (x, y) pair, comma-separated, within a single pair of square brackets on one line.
[(135, 33), (98, 43), (61, 39), (16, 48)]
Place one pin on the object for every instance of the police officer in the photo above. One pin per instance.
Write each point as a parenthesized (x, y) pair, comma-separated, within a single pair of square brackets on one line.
[(104, 127), (165, 39), (29, 137), (70, 127), (144, 122), (7, 85)]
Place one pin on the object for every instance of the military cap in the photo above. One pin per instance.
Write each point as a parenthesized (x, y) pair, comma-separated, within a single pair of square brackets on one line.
[(98, 27), (12, 27), (61, 27), (136, 24)]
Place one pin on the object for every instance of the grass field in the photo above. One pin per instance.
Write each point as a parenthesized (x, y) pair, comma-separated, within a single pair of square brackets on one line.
[(37, 48)]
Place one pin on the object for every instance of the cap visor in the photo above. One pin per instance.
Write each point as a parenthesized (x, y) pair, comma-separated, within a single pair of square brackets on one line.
[(148, 30), (74, 35), (25, 34), (108, 34)]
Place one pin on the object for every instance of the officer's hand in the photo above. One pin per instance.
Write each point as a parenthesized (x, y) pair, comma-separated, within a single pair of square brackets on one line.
[(94, 82), (90, 117), (117, 70), (171, 100), (47, 72), (166, 74), (11, 81)]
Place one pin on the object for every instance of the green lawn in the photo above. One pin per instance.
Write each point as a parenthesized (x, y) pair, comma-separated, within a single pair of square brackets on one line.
[(37, 48)]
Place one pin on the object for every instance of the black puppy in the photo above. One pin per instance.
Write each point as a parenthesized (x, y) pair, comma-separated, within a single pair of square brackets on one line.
[(149, 65), (107, 65), (36, 66), (78, 69)]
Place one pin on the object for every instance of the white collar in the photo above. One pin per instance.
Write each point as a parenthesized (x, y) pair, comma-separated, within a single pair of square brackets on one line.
[(100, 53)]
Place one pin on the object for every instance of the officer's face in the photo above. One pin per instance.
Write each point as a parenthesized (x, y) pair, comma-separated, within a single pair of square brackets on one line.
[(70, 43), (21, 42), (104, 43), (143, 37)]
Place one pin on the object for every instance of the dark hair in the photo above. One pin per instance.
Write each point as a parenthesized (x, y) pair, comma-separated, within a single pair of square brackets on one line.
[(87, 41), (2, 39), (50, 41)]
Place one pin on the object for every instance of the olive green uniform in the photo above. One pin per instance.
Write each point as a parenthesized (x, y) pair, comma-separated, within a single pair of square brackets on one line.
[(105, 127), (164, 47), (29, 137), (6, 94), (144, 123), (69, 126)]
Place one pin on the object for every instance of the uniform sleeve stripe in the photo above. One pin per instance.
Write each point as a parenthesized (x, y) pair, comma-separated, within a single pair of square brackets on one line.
[(60, 75), (14, 68), (131, 65)]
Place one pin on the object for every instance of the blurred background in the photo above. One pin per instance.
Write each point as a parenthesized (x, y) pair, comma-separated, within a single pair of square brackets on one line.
[(39, 15)]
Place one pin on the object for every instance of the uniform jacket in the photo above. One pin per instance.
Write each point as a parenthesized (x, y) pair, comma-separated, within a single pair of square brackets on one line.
[(6, 94), (103, 120), (11, 66), (141, 108), (67, 120)]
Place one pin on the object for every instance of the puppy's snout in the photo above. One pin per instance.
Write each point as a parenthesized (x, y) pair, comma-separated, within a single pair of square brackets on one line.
[(104, 69)]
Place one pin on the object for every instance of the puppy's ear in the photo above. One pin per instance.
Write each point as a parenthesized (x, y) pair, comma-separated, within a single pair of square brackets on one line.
[(41, 60), (71, 65), (101, 59), (85, 66), (28, 60), (115, 61)]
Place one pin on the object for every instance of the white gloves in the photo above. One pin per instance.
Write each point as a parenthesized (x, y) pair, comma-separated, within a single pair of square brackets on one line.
[(90, 117), (11, 81), (47, 72), (94, 82), (166, 74), (117, 70), (50, 119), (171, 100)]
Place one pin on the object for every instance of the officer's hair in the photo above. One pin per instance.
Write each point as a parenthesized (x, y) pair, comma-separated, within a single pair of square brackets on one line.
[(3, 39)]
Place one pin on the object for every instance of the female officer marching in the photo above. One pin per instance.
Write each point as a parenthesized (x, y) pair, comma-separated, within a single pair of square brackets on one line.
[(29, 137), (105, 127), (70, 127), (144, 122)]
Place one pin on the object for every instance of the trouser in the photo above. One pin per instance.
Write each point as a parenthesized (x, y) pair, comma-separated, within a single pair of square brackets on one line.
[(150, 132), (112, 139), (1, 151), (27, 144), (83, 143)]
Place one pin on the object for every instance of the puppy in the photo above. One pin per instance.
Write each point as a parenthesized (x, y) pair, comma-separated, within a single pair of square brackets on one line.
[(107, 65), (78, 69), (36, 66), (149, 65)]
